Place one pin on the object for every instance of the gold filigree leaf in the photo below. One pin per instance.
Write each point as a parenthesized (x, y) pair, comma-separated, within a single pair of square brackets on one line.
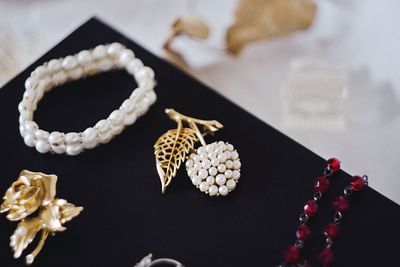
[(24, 235), (171, 150)]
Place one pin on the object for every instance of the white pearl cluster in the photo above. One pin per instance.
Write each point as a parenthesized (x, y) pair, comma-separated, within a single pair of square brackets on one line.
[(87, 62), (214, 168)]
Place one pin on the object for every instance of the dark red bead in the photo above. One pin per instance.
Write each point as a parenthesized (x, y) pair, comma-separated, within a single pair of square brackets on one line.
[(292, 254), (321, 184), (358, 183), (311, 208), (303, 232), (341, 204), (332, 230), (326, 257), (333, 165)]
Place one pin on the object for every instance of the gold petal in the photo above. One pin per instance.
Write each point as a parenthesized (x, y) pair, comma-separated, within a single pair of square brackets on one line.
[(51, 217), (24, 235), (49, 187)]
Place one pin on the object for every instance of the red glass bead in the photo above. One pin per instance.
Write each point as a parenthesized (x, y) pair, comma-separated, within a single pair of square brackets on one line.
[(292, 254), (333, 165), (311, 207), (303, 232), (321, 184), (358, 183), (326, 257), (332, 230), (341, 204)]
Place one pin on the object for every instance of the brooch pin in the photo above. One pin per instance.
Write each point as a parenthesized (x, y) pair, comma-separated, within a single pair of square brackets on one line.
[(213, 168), (34, 194)]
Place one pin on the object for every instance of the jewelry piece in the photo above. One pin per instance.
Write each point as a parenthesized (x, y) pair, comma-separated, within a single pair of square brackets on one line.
[(213, 168), (34, 193), (292, 256), (148, 262), (102, 58)]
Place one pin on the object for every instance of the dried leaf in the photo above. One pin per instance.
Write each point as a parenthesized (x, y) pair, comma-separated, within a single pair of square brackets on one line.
[(171, 150), (191, 25), (259, 19)]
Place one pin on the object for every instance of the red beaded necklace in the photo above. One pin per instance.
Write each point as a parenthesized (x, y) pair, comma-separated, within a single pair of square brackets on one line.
[(292, 257)]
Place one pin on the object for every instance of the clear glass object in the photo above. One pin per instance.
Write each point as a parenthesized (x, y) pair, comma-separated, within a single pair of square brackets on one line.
[(314, 95)]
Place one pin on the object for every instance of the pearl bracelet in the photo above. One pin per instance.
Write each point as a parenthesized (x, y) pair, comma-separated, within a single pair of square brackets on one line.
[(86, 63)]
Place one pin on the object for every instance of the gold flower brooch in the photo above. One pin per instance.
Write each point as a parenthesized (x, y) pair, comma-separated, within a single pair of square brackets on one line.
[(31, 200)]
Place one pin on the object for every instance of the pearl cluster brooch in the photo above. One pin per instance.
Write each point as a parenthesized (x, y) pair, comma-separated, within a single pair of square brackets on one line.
[(102, 58), (214, 168)]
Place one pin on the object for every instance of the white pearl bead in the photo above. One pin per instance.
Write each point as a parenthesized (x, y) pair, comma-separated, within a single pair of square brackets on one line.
[(42, 135), (54, 65), (203, 156), (152, 97), (59, 77), (236, 174), (220, 179), (234, 155), (210, 180), (201, 150), (206, 164), (134, 66), (29, 140), (102, 126), (105, 64), (229, 147), (213, 171), (213, 190), (222, 157), (231, 184), (30, 83), (104, 138), (89, 138), (197, 165), (203, 186), (191, 172), (69, 63), (130, 119), (196, 158), (114, 49), (84, 57), (127, 106), (116, 117), (236, 164), (209, 148), (189, 163), (196, 180), (203, 173), (72, 138), (221, 168), (215, 162), (99, 52), (229, 164), (223, 190), (125, 57), (30, 127), (116, 130), (75, 73), (229, 174), (74, 150), (42, 146)]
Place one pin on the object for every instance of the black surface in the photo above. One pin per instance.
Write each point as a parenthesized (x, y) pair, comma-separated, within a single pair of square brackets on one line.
[(125, 214)]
